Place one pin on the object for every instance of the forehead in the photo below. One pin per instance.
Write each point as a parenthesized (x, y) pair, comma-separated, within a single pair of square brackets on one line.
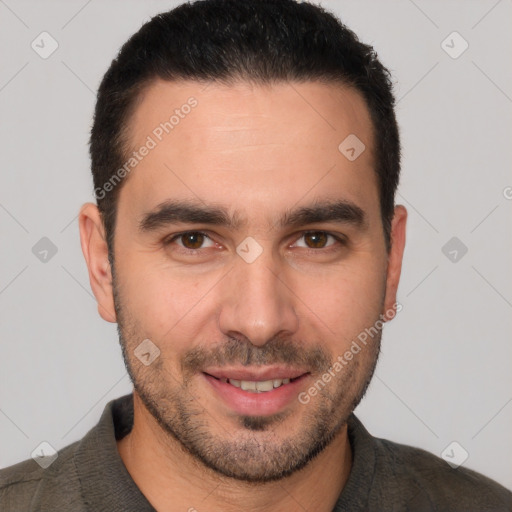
[(250, 145)]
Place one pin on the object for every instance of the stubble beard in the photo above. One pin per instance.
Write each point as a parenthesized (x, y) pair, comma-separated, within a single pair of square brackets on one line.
[(252, 452)]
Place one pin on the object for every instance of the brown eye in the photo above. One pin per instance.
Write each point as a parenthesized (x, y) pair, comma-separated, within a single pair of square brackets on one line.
[(316, 239), (189, 243), (192, 240)]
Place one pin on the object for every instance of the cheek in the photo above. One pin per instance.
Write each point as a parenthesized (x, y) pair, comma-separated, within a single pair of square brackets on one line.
[(343, 303), (163, 301)]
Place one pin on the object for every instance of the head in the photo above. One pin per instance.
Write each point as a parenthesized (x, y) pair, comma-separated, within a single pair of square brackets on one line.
[(245, 157)]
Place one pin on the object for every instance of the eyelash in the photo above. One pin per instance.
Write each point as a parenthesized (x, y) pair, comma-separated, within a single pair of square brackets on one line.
[(341, 241)]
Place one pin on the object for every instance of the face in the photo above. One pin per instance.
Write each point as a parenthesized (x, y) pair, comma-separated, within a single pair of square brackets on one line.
[(250, 251)]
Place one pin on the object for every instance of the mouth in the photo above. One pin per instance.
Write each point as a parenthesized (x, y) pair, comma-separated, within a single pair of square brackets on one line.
[(256, 392), (257, 386)]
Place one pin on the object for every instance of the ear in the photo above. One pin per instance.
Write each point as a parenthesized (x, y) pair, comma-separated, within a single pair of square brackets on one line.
[(95, 250), (395, 256)]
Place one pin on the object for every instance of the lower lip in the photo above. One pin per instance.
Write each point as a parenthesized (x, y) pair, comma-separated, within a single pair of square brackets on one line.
[(257, 404)]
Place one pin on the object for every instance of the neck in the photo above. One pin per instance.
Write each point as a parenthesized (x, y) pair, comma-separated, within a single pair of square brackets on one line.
[(172, 479)]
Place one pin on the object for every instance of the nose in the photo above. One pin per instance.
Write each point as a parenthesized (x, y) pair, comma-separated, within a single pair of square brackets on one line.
[(257, 302)]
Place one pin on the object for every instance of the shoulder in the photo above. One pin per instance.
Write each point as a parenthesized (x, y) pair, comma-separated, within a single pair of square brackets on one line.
[(437, 483), (27, 483)]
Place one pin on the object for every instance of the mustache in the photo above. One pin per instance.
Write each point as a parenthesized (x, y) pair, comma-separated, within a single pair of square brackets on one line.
[(242, 352)]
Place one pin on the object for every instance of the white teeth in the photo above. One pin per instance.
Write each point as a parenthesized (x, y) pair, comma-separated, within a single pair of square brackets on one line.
[(247, 385), (266, 385), (257, 386)]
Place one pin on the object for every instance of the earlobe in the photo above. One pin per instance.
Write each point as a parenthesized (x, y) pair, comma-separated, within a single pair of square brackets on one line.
[(398, 228), (95, 251)]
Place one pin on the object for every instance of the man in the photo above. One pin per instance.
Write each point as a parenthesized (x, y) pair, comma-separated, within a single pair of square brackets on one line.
[(245, 157)]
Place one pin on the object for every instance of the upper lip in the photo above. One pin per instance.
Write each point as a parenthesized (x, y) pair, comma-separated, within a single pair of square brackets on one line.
[(255, 374)]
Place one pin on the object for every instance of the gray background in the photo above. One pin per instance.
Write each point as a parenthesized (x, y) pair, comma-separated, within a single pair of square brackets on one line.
[(444, 374)]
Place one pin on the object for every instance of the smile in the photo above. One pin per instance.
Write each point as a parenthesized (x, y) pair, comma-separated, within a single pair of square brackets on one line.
[(256, 393), (261, 386)]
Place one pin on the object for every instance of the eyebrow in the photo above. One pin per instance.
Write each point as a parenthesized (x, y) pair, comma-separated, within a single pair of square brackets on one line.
[(192, 212), (340, 211)]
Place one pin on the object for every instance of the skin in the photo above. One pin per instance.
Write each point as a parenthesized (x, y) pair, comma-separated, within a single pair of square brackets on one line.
[(258, 151)]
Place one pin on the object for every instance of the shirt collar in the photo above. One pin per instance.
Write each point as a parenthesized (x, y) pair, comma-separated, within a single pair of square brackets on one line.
[(107, 485)]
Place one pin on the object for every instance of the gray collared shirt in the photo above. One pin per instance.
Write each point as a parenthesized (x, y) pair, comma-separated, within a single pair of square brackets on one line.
[(89, 475)]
